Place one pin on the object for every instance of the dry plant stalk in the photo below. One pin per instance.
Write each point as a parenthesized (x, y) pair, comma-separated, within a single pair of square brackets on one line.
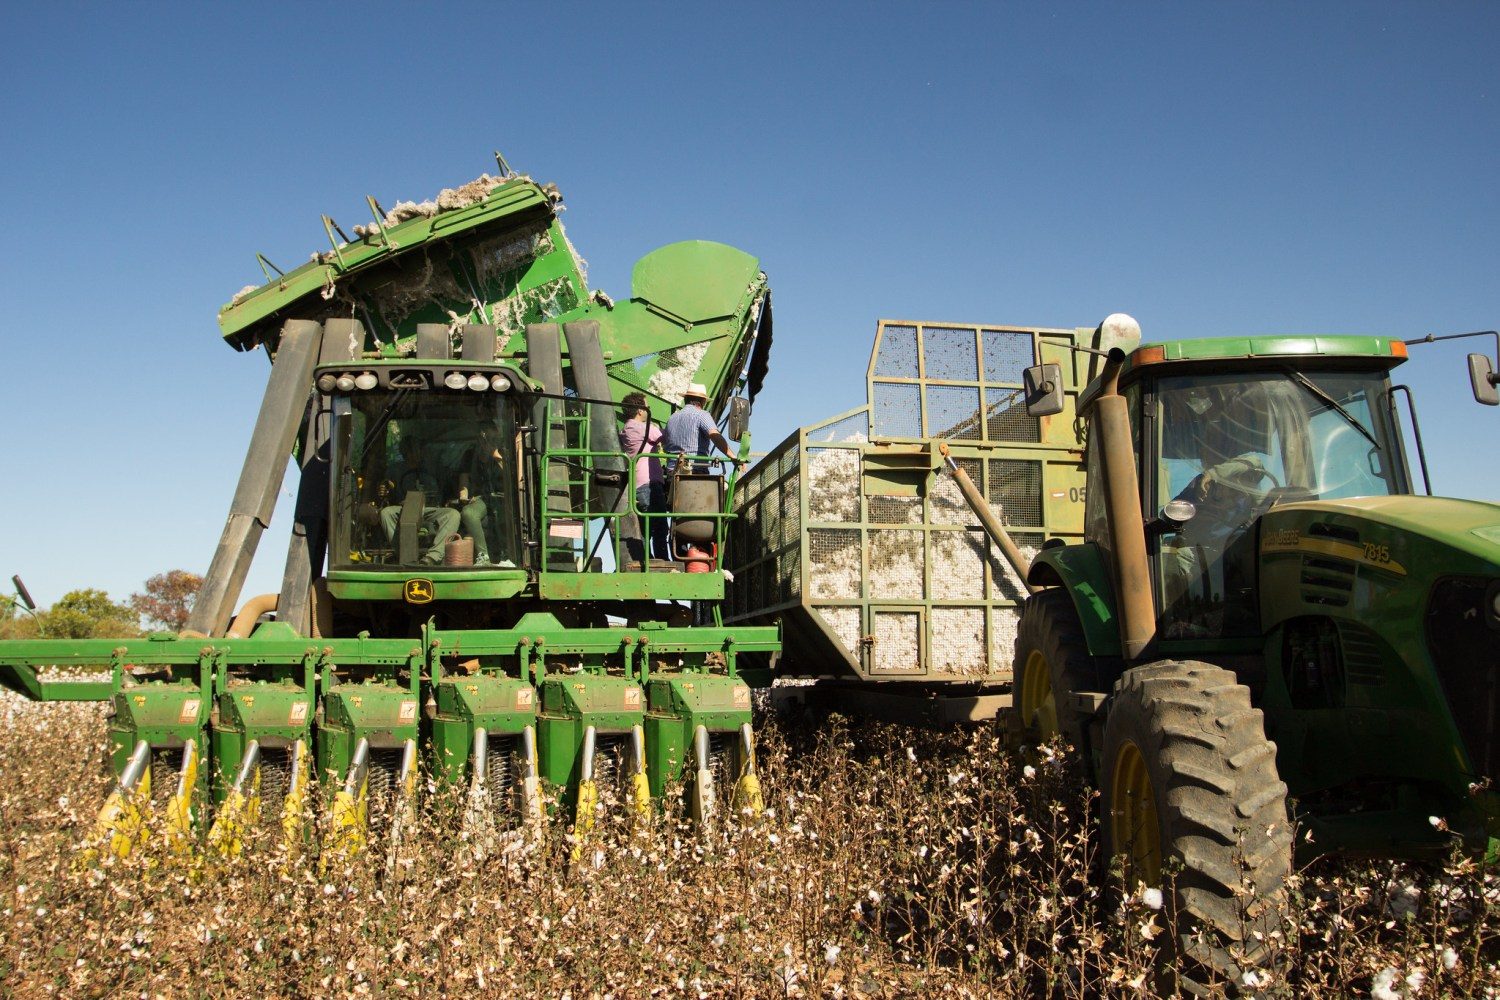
[(892, 862)]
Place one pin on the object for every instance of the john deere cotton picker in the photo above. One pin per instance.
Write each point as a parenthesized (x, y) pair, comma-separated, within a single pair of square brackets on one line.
[(458, 594)]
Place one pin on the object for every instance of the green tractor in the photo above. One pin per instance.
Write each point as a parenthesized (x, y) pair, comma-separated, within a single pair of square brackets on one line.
[(1264, 634), (466, 592)]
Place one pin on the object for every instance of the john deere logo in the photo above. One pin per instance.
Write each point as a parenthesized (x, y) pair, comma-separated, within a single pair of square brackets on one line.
[(418, 591)]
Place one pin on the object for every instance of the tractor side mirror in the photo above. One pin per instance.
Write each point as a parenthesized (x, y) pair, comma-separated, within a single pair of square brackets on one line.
[(1484, 380), (1044, 390), (739, 418)]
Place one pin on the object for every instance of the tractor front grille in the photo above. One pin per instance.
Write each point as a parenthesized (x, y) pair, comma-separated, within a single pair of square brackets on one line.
[(1465, 650)]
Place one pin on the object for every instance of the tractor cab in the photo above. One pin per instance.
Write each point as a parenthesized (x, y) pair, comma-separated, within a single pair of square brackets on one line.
[(1220, 444)]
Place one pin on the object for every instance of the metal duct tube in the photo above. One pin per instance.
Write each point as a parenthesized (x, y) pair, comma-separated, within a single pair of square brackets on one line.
[(244, 622), (586, 355), (528, 750), (434, 341), (747, 747), (342, 341), (281, 412), (702, 805), (293, 805), (544, 363), (479, 340), (531, 790), (298, 768), (140, 759), (638, 749), (480, 755), (247, 765), (700, 747), (586, 766), (359, 765)]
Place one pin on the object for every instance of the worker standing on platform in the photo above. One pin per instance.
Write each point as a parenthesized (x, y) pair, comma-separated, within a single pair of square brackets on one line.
[(639, 437), (691, 431)]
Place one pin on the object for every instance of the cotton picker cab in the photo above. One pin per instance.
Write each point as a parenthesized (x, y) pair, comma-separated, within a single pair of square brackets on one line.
[(1264, 625)]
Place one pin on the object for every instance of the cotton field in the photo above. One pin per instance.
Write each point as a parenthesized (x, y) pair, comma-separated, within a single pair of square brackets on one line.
[(891, 862)]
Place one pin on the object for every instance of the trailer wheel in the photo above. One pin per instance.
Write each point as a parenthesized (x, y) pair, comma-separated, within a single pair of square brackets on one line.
[(1190, 790), (1052, 661)]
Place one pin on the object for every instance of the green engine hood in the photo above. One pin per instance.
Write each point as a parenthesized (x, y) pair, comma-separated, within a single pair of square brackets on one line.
[(1416, 534)]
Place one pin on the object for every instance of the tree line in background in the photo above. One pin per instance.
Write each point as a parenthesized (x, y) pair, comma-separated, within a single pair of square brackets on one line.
[(164, 603)]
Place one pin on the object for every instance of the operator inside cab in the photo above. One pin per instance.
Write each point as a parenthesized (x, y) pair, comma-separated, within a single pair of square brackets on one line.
[(426, 479), (414, 477), (1236, 445)]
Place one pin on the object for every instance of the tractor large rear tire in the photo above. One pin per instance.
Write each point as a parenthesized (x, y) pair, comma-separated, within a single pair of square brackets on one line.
[(1190, 790), (1052, 662)]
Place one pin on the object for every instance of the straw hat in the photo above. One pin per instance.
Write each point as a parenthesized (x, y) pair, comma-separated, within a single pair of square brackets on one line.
[(696, 391)]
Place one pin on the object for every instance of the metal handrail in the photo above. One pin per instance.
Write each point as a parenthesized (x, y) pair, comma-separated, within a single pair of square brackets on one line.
[(628, 506)]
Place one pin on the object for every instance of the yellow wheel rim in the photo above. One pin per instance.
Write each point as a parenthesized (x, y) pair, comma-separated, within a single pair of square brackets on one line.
[(1134, 831), (1038, 704)]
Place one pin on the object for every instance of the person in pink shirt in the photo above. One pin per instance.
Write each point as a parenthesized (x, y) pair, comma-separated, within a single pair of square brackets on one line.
[(638, 436)]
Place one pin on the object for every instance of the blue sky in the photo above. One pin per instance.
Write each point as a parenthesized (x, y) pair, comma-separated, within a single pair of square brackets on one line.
[(1210, 169)]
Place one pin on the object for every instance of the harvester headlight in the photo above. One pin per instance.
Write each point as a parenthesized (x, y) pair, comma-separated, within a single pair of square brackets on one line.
[(366, 380), (327, 383), (478, 383), (499, 383), (455, 380), (345, 383)]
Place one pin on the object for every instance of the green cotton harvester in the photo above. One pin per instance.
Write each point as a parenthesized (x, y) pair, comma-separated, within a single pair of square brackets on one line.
[(459, 595)]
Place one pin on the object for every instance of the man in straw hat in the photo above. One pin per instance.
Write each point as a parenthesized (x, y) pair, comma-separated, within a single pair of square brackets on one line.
[(691, 431)]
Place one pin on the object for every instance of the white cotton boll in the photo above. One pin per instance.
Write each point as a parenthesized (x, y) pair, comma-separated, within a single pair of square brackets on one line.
[(1450, 959), (955, 643), (450, 199), (833, 483), (406, 210), (844, 623), (1152, 898), (678, 369), (1381, 988)]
